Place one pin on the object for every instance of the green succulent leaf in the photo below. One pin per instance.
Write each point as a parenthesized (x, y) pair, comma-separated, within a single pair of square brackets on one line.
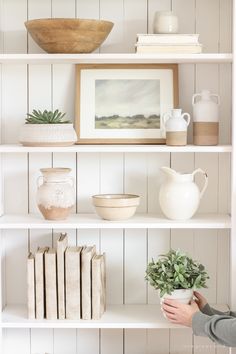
[(46, 117)]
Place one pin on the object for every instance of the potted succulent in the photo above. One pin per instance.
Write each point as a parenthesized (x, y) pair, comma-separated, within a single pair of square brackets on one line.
[(47, 128), (176, 276)]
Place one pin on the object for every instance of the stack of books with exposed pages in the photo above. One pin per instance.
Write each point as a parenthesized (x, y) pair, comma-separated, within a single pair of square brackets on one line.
[(168, 43)]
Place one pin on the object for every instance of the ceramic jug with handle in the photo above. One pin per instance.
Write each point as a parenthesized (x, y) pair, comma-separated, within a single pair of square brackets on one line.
[(179, 195), (176, 127)]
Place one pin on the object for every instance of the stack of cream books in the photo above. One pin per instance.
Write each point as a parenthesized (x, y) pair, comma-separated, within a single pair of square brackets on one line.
[(168, 43), (66, 282)]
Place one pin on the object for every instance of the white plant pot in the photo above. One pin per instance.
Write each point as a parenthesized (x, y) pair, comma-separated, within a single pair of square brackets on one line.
[(47, 135), (184, 296)]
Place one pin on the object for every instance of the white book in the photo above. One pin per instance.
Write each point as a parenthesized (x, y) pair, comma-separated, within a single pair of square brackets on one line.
[(39, 282), (31, 286), (165, 49), (167, 38), (98, 286), (51, 284), (72, 270), (86, 281), (62, 244)]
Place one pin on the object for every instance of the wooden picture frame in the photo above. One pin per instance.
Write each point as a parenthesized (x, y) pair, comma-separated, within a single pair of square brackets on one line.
[(94, 81)]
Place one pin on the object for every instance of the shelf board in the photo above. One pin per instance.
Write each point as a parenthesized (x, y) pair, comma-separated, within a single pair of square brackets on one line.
[(115, 58), (17, 148), (92, 221), (116, 316)]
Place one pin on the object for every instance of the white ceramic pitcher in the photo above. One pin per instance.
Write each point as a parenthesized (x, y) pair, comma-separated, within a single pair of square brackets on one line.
[(179, 195)]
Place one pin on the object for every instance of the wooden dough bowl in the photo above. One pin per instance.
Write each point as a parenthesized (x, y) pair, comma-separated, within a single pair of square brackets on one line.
[(62, 35)]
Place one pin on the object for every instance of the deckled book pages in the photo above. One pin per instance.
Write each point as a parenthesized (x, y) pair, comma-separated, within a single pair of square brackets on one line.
[(98, 286), (40, 282), (62, 244), (51, 284), (86, 274), (31, 286), (72, 272)]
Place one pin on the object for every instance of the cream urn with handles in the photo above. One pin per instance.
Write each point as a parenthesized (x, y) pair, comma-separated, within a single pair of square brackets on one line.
[(179, 195)]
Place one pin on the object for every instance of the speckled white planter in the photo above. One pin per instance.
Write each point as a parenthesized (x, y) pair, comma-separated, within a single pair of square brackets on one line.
[(47, 135)]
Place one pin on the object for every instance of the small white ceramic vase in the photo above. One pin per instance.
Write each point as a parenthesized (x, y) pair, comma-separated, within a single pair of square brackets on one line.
[(47, 135), (176, 127), (56, 195), (179, 195), (165, 22)]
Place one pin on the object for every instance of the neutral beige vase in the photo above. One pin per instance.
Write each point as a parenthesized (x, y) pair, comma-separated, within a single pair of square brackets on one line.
[(56, 195)]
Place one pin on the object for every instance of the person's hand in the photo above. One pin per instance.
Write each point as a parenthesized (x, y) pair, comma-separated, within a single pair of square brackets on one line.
[(200, 300), (180, 313)]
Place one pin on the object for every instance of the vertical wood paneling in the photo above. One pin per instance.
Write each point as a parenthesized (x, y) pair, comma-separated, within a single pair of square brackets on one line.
[(16, 338), (208, 10), (88, 180), (64, 341), (113, 11), (135, 341), (42, 341), (134, 22), (14, 32), (87, 341), (112, 341)]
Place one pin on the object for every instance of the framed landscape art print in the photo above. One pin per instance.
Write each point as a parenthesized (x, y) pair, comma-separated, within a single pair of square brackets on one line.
[(124, 104)]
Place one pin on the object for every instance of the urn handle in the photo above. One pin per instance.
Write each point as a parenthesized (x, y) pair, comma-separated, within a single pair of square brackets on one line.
[(38, 181), (199, 170), (188, 118)]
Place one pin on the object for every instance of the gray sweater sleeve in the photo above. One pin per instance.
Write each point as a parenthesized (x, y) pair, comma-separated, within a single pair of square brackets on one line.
[(220, 327)]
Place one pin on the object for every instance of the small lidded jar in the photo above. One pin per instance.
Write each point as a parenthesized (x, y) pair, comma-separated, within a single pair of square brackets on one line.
[(56, 195), (165, 22)]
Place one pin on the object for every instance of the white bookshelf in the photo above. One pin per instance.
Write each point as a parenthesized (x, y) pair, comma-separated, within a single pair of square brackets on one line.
[(116, 316), (17, 148), (139, 221), (115, 58)]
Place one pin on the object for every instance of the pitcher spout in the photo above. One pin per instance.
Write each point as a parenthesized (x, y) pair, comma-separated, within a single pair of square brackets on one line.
[(169, 171)]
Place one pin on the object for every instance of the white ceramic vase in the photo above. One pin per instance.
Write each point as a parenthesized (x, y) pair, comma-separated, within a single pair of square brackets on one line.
[(56, 195), (176, 126), (165, 22), (47, 135), (205, 118), (179, 195)]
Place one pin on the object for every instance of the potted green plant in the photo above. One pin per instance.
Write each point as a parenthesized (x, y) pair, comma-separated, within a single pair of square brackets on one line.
[(47, 128), (176, 276)]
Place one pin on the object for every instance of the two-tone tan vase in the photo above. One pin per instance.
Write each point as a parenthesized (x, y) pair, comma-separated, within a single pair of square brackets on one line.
[(56, 194), (205, 118), (176, 127)]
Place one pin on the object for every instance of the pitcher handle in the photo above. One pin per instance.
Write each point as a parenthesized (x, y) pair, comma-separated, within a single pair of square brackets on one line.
[(194, 96), (38, 181), (188, 118), (217, 97), (199, 170)]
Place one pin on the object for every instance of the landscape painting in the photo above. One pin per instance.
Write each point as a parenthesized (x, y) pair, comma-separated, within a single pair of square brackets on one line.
[(127, 104)]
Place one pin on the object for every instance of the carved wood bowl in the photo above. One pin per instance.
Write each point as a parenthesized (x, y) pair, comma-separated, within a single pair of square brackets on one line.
[(63, 35)]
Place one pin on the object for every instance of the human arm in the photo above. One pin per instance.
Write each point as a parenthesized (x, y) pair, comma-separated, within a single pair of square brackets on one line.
[(207, 309), (220, 329)]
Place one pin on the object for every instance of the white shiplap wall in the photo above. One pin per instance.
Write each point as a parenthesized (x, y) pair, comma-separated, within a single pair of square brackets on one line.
[(45, 86)]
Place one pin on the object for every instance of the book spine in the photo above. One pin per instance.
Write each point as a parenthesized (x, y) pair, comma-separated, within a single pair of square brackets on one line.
[(51, 286), (61, 248), (39, 285), (103, 279), (31, 287), (86, 287), (72, 265), (96, 289)]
